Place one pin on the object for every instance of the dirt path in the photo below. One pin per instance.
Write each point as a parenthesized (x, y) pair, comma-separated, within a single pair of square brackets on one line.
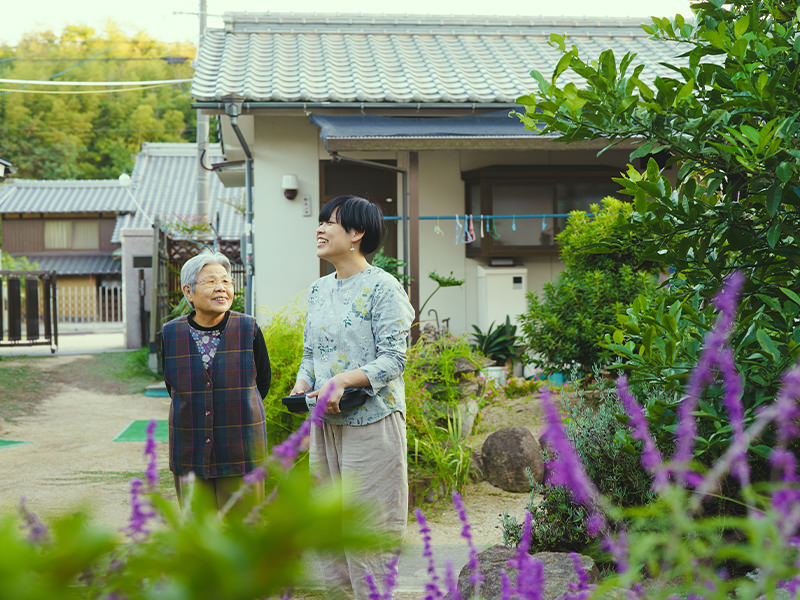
[(72, 461)]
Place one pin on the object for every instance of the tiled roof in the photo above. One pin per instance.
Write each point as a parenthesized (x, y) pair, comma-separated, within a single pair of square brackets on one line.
[(277, 57), (64, 196), (164, 182), (100, 264)]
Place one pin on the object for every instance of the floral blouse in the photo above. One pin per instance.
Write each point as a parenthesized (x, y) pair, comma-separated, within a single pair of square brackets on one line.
[(361, 322)]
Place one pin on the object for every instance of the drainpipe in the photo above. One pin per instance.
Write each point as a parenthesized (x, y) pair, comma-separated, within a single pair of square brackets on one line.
[(201, 205), (233, 110)]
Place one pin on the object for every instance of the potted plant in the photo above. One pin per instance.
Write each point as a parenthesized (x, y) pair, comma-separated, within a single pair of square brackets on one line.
[(498, 343)]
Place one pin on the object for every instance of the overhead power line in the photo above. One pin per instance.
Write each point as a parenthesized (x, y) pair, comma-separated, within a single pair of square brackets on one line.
[(92, 83)]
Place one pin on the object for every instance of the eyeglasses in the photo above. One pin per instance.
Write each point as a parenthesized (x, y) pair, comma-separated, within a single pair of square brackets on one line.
[(212, 283)]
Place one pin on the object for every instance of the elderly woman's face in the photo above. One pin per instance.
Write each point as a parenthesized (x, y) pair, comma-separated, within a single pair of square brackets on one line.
[(213, 290)]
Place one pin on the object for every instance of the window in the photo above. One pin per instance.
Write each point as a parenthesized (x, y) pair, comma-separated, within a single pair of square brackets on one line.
[(75, 235), (522, 191)]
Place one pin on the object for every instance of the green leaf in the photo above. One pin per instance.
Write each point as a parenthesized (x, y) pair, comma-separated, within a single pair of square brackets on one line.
[(791, 295), (784, 172), (562, 65), (767, 344), (741, 26), (774, 234), (773, 199)]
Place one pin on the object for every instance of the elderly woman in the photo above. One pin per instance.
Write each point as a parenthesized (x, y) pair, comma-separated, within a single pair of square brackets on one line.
[(355, 335), (217, 371)]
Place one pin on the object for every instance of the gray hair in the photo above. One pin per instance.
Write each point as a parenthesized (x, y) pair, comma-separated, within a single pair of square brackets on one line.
[(192, 267)]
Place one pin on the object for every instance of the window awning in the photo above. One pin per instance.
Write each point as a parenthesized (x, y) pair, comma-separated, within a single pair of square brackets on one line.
[(488, 130)]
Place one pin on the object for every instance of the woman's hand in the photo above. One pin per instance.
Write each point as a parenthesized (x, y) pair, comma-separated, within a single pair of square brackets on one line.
[(336, 388), (300, 387)]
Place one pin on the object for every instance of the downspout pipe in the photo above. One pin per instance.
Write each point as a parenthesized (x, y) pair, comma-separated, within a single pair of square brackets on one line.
[(404, 191), (233, 110)]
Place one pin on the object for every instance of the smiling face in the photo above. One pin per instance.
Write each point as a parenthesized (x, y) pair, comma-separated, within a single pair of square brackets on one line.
[(213, 293), (334, 241)]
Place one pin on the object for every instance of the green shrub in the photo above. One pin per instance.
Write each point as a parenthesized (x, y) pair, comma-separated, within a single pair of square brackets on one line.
[(567, 324), (283, 336), (439, 451), (611, 460), (603, 272), (498, 343)]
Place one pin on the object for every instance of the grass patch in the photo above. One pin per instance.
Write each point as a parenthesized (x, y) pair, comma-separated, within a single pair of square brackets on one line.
[(21, 388), (112, 372), (166, 482)]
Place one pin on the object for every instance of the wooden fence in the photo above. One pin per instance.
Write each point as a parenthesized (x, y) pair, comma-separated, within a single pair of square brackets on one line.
[(90, 304)]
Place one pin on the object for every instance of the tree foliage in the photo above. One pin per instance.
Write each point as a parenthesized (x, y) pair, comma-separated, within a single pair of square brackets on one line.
[(65, 132), (726, 120)]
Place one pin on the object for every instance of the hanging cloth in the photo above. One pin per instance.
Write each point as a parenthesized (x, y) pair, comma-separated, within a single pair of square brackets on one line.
[(469, 230), (459, 227)]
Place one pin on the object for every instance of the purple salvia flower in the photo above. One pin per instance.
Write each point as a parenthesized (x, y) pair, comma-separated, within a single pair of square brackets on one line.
[(374, 594), (432, 590), (617, 547), (786, 406), (287, 451), (151, 473), (566, 469), (37, 531), (582, 589), (390, 579), (506, 589), (530, 572), (255, 476), (702, 374), (651, 459), (136, 528), (475, 578), (732, 396), (636, 592), (451, 583)]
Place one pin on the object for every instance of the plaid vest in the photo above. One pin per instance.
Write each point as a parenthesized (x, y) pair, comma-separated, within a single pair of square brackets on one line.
[(217, 426)]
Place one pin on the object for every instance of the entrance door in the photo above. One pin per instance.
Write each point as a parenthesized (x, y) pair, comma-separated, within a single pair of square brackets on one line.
[(374, 184)]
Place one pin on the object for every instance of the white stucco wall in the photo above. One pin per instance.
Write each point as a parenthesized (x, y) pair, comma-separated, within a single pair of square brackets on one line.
[(285, 259)]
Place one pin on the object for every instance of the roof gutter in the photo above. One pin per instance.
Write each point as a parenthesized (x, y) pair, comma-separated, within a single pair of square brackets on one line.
[(259, 105)]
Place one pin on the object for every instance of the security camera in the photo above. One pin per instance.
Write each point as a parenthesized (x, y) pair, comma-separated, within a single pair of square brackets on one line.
[(290, 186)]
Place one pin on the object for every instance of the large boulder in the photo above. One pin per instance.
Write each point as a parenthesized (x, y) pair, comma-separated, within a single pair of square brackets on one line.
[(559, 572), (506, 454)]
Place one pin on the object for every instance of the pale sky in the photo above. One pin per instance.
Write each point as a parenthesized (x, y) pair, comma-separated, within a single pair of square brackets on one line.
[(167, 20)]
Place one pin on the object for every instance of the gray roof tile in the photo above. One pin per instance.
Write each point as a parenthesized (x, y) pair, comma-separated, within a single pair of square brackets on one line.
[(64, 196), (164, 182), (278, 57), (98, 264)]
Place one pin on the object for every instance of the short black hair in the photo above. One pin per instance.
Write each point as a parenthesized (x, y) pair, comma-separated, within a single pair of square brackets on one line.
[(356, 214)]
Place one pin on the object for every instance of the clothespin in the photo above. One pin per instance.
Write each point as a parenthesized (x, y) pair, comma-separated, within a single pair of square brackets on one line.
[(514, 223), (480, 227), (469, 230), (436, 229), (544, 224), (493, 231)]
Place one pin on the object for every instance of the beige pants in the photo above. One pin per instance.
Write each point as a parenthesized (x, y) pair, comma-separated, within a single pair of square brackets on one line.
[(221, 489), (374, 458)]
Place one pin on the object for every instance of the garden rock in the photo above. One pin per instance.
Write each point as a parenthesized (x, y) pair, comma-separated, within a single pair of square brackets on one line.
[(506, 454), (559, 572)]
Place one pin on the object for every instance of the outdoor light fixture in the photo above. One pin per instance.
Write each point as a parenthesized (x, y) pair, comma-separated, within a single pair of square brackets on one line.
[(290, 186)]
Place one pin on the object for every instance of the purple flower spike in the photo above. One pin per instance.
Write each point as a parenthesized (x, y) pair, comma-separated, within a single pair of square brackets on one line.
[(287, 451), (582, 589), (618, 549), (390, 580), (651, 459), (151, 473), (475, 578), (732, 396), (255, 476), (374, 594), (451, 583), (506, 589), (432, 590), (37, 531), (137, 524), (703, 373), (566, 469)]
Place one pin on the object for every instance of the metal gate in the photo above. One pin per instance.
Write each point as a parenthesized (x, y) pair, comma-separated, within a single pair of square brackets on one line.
[(169, 254), (28, 297)]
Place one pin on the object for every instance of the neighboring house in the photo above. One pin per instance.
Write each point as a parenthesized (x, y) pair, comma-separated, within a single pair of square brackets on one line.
[(428, 97), (5, 168), (163, 186), (66, 227)]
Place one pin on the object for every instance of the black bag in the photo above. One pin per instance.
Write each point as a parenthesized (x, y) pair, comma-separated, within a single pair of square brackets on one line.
[(352, 398)]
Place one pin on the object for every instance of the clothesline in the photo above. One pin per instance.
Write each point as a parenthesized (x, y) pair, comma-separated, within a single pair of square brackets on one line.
[(461, 216)]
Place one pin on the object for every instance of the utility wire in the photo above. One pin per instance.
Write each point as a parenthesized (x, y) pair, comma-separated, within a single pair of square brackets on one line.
[(131, 89), (91, 83)]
